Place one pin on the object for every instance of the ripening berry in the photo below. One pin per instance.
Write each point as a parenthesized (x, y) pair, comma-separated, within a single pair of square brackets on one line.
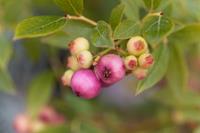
[(85, 59), (85, 84), (140, 73), (49, 115), (22, 124), (72, 63), (78, 45), (137, 46), (110, 69), (130, 62), (66, 78), (146, 60)]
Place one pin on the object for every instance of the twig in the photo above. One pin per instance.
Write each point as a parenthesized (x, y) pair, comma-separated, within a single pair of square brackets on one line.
[(82, 18)]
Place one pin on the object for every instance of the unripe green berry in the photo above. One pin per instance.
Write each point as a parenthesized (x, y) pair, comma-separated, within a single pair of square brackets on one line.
[(137, 46), (85, 59), (72, 63), (78, 45), (140, 73), (146, 60), (130, 62), (66, 78)]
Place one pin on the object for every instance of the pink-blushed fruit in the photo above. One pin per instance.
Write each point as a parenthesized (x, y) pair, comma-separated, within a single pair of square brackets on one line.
[(130, 62), (85, 59), (48, 115), (140, 73), (78, 45), (72, 63), (22, 124), (137, 46), (146, 60), (110, 69), (66, 78), (85, 84)]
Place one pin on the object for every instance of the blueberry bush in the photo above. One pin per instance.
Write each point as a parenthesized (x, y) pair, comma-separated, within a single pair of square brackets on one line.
[(149, 48)]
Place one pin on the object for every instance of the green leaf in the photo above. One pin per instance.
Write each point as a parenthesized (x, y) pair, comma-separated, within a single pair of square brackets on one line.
[(158, 71), (156, 28), (79, 106), (152, 4), (132, 8), (102, 35), (40, 90), (55, 129), (186, 35), (62, 39), (74, 7), (177, 73), (6, 83), (5, 51), (39, 26), (186, 8), (126, 29), (116, 15), (90, 127)]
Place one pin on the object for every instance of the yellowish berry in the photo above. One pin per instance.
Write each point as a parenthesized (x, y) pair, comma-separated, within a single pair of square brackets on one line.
[(137, 46)]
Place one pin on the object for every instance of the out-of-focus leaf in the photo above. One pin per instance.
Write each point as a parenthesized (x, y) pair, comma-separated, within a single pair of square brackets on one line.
[(40, 90), (89, 127), (126, 29), (186, 99), (74, 7), (186, 35), (39, 26), (177, 72), (157, 72), (166, 7), (78, 105), (197, 130), (187, 8), (155, 28), (5, 51), (6, 83), (132, 8), (116, 15), (152, 4), (33, 48), (56, 129), (101, 36), (62, 39), (186, 115), (59, 40), (9, 15)]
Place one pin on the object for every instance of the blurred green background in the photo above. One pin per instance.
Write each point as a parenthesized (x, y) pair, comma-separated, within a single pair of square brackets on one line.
[(30, 72)]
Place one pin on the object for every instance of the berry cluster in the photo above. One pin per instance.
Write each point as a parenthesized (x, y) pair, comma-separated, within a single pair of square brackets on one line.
[(23, 123), (86, 76), (139, 60)]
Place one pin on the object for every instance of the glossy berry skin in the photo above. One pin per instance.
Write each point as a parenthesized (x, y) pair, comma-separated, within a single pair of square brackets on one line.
[(140, 73), (85, 59), (66, 78), (78, 45), (72, 63), (110, 69), (85, 84), (130, 62), (146, 60), (22, 124), (137, 46)]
